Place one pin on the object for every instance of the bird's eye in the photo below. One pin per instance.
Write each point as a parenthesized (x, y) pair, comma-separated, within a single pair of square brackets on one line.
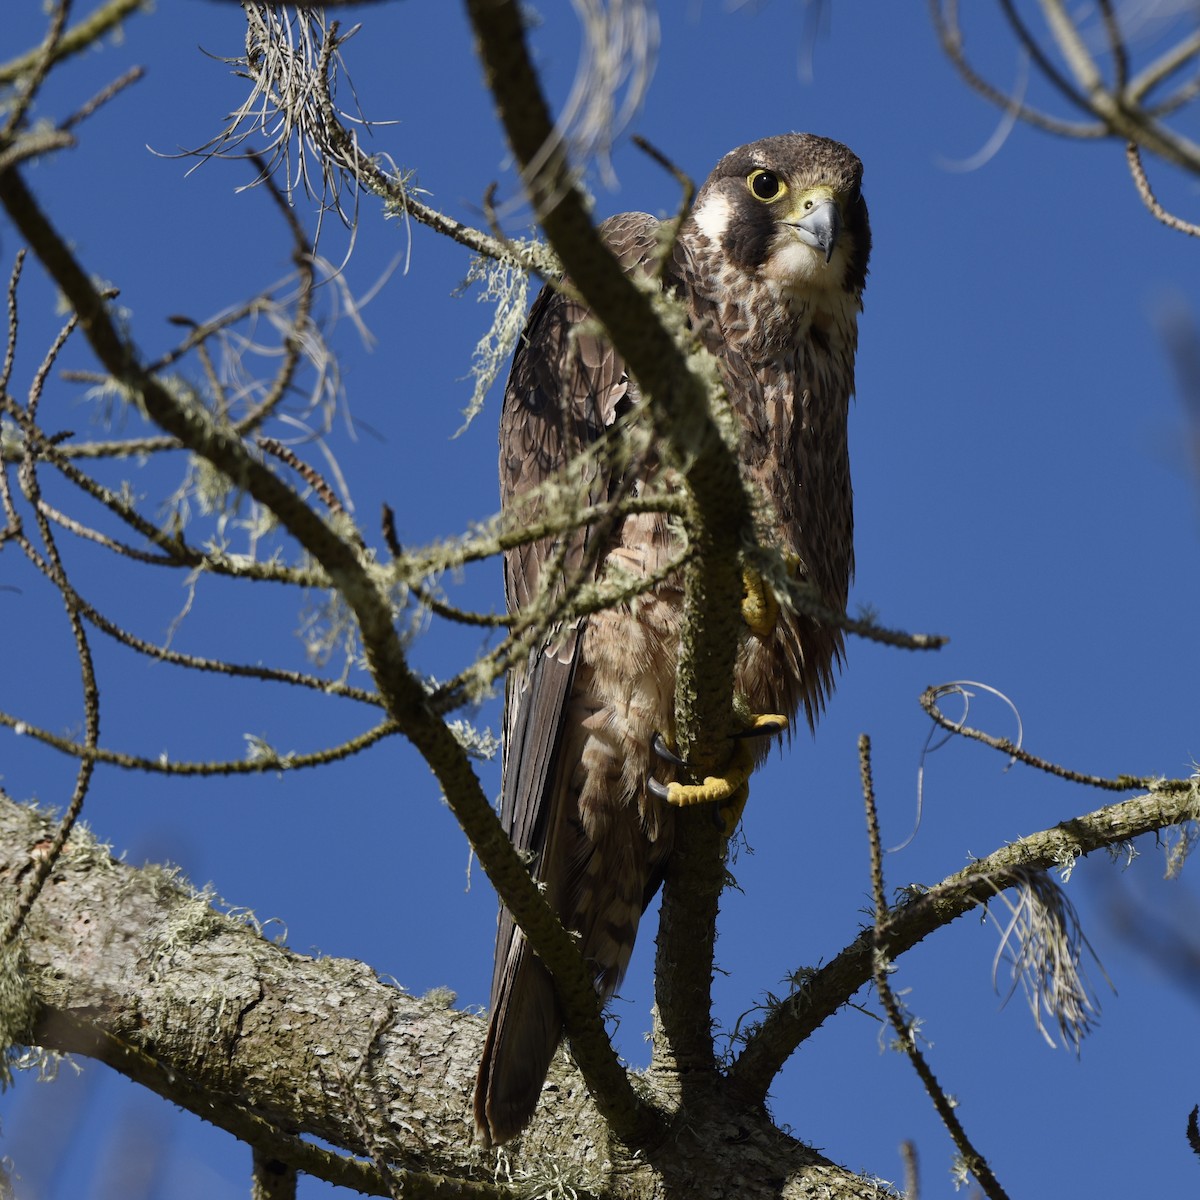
[(765, 185)]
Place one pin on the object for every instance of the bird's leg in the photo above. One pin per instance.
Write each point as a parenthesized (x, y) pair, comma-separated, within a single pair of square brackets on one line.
[(730, 790), (760, 607)]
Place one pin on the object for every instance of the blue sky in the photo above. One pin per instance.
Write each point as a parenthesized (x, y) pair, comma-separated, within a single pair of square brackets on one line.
[(1022, 483)]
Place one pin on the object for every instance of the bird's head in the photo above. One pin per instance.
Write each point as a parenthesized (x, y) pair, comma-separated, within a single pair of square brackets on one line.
[(789, 209)]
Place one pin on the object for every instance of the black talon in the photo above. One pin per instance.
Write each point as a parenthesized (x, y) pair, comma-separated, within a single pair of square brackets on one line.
[(658, 744), (659, 790)]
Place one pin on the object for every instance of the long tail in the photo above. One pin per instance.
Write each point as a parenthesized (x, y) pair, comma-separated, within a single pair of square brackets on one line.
[(524, 1032), (611, 886)]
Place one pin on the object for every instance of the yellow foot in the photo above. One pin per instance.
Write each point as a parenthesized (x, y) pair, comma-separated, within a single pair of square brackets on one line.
[(729, 791), (716, 789), (760, 609), (763, 725)]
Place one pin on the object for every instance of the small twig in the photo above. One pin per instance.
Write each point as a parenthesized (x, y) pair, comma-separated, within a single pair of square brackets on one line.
[(39, 376), (804, 601), (1116, 45), (294, 342), (531, 625), (1122, 783), (219, 666), (40, 61), (10, 347), (945, 21), (80, 530), (306, 471), (503, 533), (102, 97), (179, 552), (31, 145), (52, 567), (76, 39), (266, 760), (905, 1032), (1079, 59), (534, 257), (687, 186), (1176, 100), (1173, 60), (1133, 156), (387, 524)]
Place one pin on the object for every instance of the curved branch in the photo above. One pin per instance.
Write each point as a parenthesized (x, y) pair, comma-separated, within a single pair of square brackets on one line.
[(944, 14), (263, 758), (1118, 106), (831, 987), (1122, 783), (1134, 158), (51, 566), (1163, 67)]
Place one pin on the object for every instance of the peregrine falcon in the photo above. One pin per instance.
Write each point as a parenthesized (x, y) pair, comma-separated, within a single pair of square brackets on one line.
[(770, 267)]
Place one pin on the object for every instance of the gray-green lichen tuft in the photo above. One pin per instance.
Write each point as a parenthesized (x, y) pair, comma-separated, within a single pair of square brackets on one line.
[(18, 1006)]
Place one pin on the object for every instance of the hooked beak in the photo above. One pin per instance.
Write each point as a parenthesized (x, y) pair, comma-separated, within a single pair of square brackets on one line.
[(820, 228)]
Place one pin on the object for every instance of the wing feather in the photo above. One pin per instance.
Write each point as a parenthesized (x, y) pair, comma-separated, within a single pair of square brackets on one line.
[(565, 391)]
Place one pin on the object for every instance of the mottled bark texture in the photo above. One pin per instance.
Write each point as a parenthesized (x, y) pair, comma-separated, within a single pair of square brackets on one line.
[(131, 967)]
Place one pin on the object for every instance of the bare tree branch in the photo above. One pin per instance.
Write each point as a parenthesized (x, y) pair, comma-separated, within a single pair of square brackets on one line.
[(1134, 157), (358, 582), (1118, 106), (903, 1026), (81, 36), (825, 991)]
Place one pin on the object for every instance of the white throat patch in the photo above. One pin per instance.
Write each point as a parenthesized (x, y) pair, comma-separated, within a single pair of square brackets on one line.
[(712, 217)]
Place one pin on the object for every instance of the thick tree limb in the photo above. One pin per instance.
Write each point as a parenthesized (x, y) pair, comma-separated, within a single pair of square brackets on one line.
[(131, 967)]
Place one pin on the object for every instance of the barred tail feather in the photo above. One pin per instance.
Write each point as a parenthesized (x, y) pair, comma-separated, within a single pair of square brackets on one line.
[(524, 1032)]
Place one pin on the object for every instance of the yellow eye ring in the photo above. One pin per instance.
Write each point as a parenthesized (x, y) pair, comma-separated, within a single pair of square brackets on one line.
[(765, 186)]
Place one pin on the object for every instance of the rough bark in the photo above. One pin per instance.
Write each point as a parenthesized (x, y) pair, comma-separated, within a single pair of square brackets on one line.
[(130, 966)]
